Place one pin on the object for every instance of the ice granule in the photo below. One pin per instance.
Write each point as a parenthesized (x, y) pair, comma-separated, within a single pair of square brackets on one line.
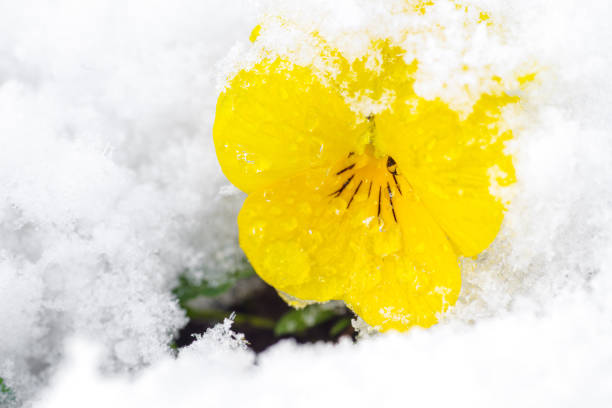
[(222, 334)]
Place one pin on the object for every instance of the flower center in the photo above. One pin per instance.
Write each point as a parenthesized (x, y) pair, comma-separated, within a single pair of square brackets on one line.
[(366, 175)]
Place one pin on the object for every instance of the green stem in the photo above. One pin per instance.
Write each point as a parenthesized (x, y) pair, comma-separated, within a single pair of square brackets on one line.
[(239, 318)]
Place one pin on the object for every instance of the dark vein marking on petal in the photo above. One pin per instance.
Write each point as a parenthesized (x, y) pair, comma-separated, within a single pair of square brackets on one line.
[(379, 194), (338, 192), (345, 169), (354, 193), (396, 183), (391, 201)]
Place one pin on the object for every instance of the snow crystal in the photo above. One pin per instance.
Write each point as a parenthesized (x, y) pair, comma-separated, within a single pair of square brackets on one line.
[(109, 189), (108, 178), (516, 360)]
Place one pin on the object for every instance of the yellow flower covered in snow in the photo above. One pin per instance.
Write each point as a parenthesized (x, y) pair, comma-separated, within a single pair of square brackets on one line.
[(373, 208)]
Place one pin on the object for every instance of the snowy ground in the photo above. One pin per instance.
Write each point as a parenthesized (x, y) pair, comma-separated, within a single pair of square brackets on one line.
[(109, 189)]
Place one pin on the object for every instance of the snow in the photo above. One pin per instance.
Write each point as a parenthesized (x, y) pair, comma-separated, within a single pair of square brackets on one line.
[(109, 190), (108, 179), (519, 360)]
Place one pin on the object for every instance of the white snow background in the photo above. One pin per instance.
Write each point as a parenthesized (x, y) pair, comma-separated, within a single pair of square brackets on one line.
[(109, 189)]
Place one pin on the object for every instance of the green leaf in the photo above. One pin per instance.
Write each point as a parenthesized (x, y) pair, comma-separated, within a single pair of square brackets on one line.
[(298, 321), (6, 394), (3, 388), (187, 289), (339, 326)]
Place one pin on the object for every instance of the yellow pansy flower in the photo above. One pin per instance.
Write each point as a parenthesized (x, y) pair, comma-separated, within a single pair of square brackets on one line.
[(370, 207)]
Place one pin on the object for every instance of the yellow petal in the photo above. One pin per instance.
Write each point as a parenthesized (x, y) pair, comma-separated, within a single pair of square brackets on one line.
[(452, 164), (345, 232), (276, 119), (417, 284)]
